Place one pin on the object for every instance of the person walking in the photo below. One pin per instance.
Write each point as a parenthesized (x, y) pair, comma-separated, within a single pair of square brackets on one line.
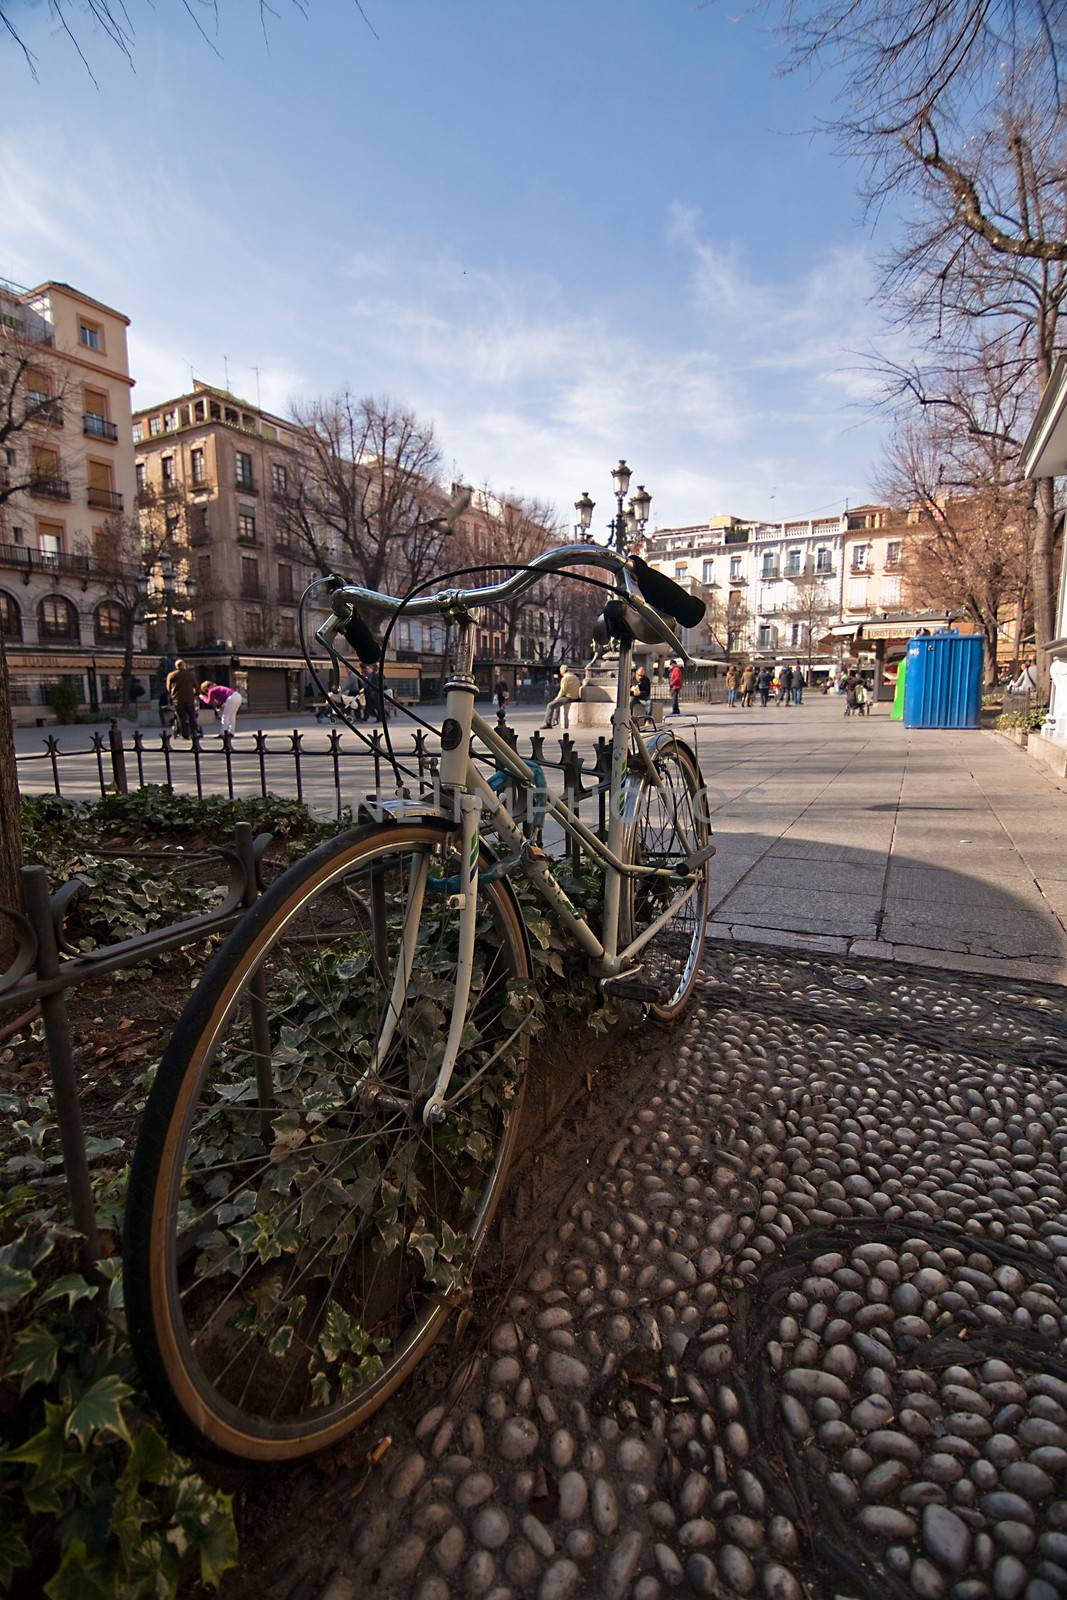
[(850, 694), (785, 686), (763, 684), (641, 695), (748, 681), (224, 701), (181, 687), (731, 687), (500, 695), (863, 704), (570, 691), (798, 685), (676, 680)]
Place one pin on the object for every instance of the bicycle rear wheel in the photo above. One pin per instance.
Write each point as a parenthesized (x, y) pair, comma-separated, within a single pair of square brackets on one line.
[(295, 1236), (666, 823)]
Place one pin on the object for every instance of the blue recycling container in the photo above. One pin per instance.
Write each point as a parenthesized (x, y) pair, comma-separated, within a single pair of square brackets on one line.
[(943, 682)]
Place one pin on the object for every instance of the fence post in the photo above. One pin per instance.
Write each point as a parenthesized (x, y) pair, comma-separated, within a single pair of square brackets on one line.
[(98, 751), (35, 899), (138, 750), (51, 744), (118, 758)]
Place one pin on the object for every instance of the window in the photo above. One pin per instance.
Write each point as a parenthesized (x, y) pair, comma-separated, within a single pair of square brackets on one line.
[(792, 563), (243, 466), (794, 634), (890, 591), (770, 569), (823, 559), (735, 568), (90, 335), (246, 527), (50, 542), (768, 636), (859, 557), (198, 411), (10, 617), (249, 575), (279, 477), (231, 415), (892, 553), (167, 464), (155, 427), (286, 629), (57, 619), (196, 462), (681, 571), (203, 574), (207, 627), (170, 421), (252, 626), (110, 622), (138, 432), (708, 577), (214, 411), (285, 581)]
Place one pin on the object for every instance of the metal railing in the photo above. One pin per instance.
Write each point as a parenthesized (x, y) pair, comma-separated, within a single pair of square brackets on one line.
[(49, 485), (94, 426), (21, 555), (47, 966), (103, 499)]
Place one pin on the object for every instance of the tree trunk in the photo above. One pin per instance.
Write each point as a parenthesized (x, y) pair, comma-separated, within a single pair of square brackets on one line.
[(1041, 579), (10, 821)]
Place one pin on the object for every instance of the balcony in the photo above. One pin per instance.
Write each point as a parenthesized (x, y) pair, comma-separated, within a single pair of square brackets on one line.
[(146, 495), (826, 572), (31, 560), (104, 499), (201, 485), (769, 574), (94, 426), (49, 486), (42, 408), (245, 486), (248, 536), (253, 589), (857, 571)]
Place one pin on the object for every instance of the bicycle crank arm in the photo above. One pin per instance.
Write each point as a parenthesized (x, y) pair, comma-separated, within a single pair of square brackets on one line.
[(633, 985)]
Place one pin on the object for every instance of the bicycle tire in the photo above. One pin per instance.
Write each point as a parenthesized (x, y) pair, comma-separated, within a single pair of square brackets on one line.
[(667, 823), (163, 1291)]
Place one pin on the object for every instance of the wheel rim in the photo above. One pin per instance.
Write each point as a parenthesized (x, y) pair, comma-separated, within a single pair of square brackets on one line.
[(668, 825), (310, 1246)]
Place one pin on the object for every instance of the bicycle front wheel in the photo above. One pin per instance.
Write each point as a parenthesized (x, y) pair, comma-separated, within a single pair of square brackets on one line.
[(295, 1235), (666, 823)]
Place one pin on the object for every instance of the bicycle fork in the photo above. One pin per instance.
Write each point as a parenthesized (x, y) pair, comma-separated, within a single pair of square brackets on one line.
[(466, 901)]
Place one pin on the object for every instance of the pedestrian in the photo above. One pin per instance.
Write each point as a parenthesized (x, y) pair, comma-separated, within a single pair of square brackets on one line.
[(785, 686), (862, 704), (500, 695), (763, 684), (731, 687), (748, 681), (798, 685), (224, 701), (676, 680), (641, 695), (850, 694), (570, 691), (181, 687), (166, 707)]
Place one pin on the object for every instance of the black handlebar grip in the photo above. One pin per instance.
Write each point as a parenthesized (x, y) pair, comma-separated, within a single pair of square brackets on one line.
[(361, 638), (667, 596)]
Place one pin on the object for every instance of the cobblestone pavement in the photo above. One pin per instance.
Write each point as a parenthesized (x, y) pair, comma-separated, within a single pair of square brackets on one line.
[(793, 1321)]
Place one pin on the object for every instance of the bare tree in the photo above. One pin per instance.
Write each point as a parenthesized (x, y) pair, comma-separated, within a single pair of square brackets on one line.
[(367, 493), (811, 608), (128, 557), (506, 532), (955, 463), (32, 392)]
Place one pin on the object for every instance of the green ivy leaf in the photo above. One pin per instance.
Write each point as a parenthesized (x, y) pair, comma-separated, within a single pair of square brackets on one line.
[(35, 1356), (82, 1576), (100, 1411), (72, 1287), (14, 1283), (14, 1551)]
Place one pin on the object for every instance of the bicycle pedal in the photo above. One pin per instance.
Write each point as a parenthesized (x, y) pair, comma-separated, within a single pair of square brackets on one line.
[(635, 986)]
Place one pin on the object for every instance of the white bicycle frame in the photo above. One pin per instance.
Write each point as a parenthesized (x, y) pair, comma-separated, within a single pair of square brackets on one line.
[(466, 790)]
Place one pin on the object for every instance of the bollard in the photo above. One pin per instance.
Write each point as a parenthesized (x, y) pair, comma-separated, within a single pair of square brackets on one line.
[(118, 758), (36, 903)]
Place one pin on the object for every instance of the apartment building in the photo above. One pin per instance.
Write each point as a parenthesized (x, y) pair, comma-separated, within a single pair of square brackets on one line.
[(69, 472), (221, 473), (872, 580)]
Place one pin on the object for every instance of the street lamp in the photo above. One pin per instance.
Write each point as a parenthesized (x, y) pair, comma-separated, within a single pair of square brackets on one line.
[(163, 589), (630, 520)]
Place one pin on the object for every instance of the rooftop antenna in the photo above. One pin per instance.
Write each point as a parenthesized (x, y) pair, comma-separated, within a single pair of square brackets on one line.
[(259, 404), (226, 370)]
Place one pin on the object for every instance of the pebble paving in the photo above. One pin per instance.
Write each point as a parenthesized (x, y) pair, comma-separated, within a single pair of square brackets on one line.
[(800, 1329)]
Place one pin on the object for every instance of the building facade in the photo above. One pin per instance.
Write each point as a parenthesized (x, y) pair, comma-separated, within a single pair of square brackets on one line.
[(68, 475), (775, 590), (218, 475)]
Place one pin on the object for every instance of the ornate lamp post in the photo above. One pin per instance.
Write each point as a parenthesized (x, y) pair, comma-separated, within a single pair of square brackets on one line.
[(629, 521), (165, 594)]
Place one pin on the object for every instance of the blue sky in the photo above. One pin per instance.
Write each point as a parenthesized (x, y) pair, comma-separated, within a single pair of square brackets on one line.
[(563, 231)]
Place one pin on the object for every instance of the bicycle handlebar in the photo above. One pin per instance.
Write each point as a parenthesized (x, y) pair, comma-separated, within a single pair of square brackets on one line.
[(670, 597)]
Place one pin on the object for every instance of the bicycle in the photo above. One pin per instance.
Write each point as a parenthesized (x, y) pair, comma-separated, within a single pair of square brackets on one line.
[(329, 1131)]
